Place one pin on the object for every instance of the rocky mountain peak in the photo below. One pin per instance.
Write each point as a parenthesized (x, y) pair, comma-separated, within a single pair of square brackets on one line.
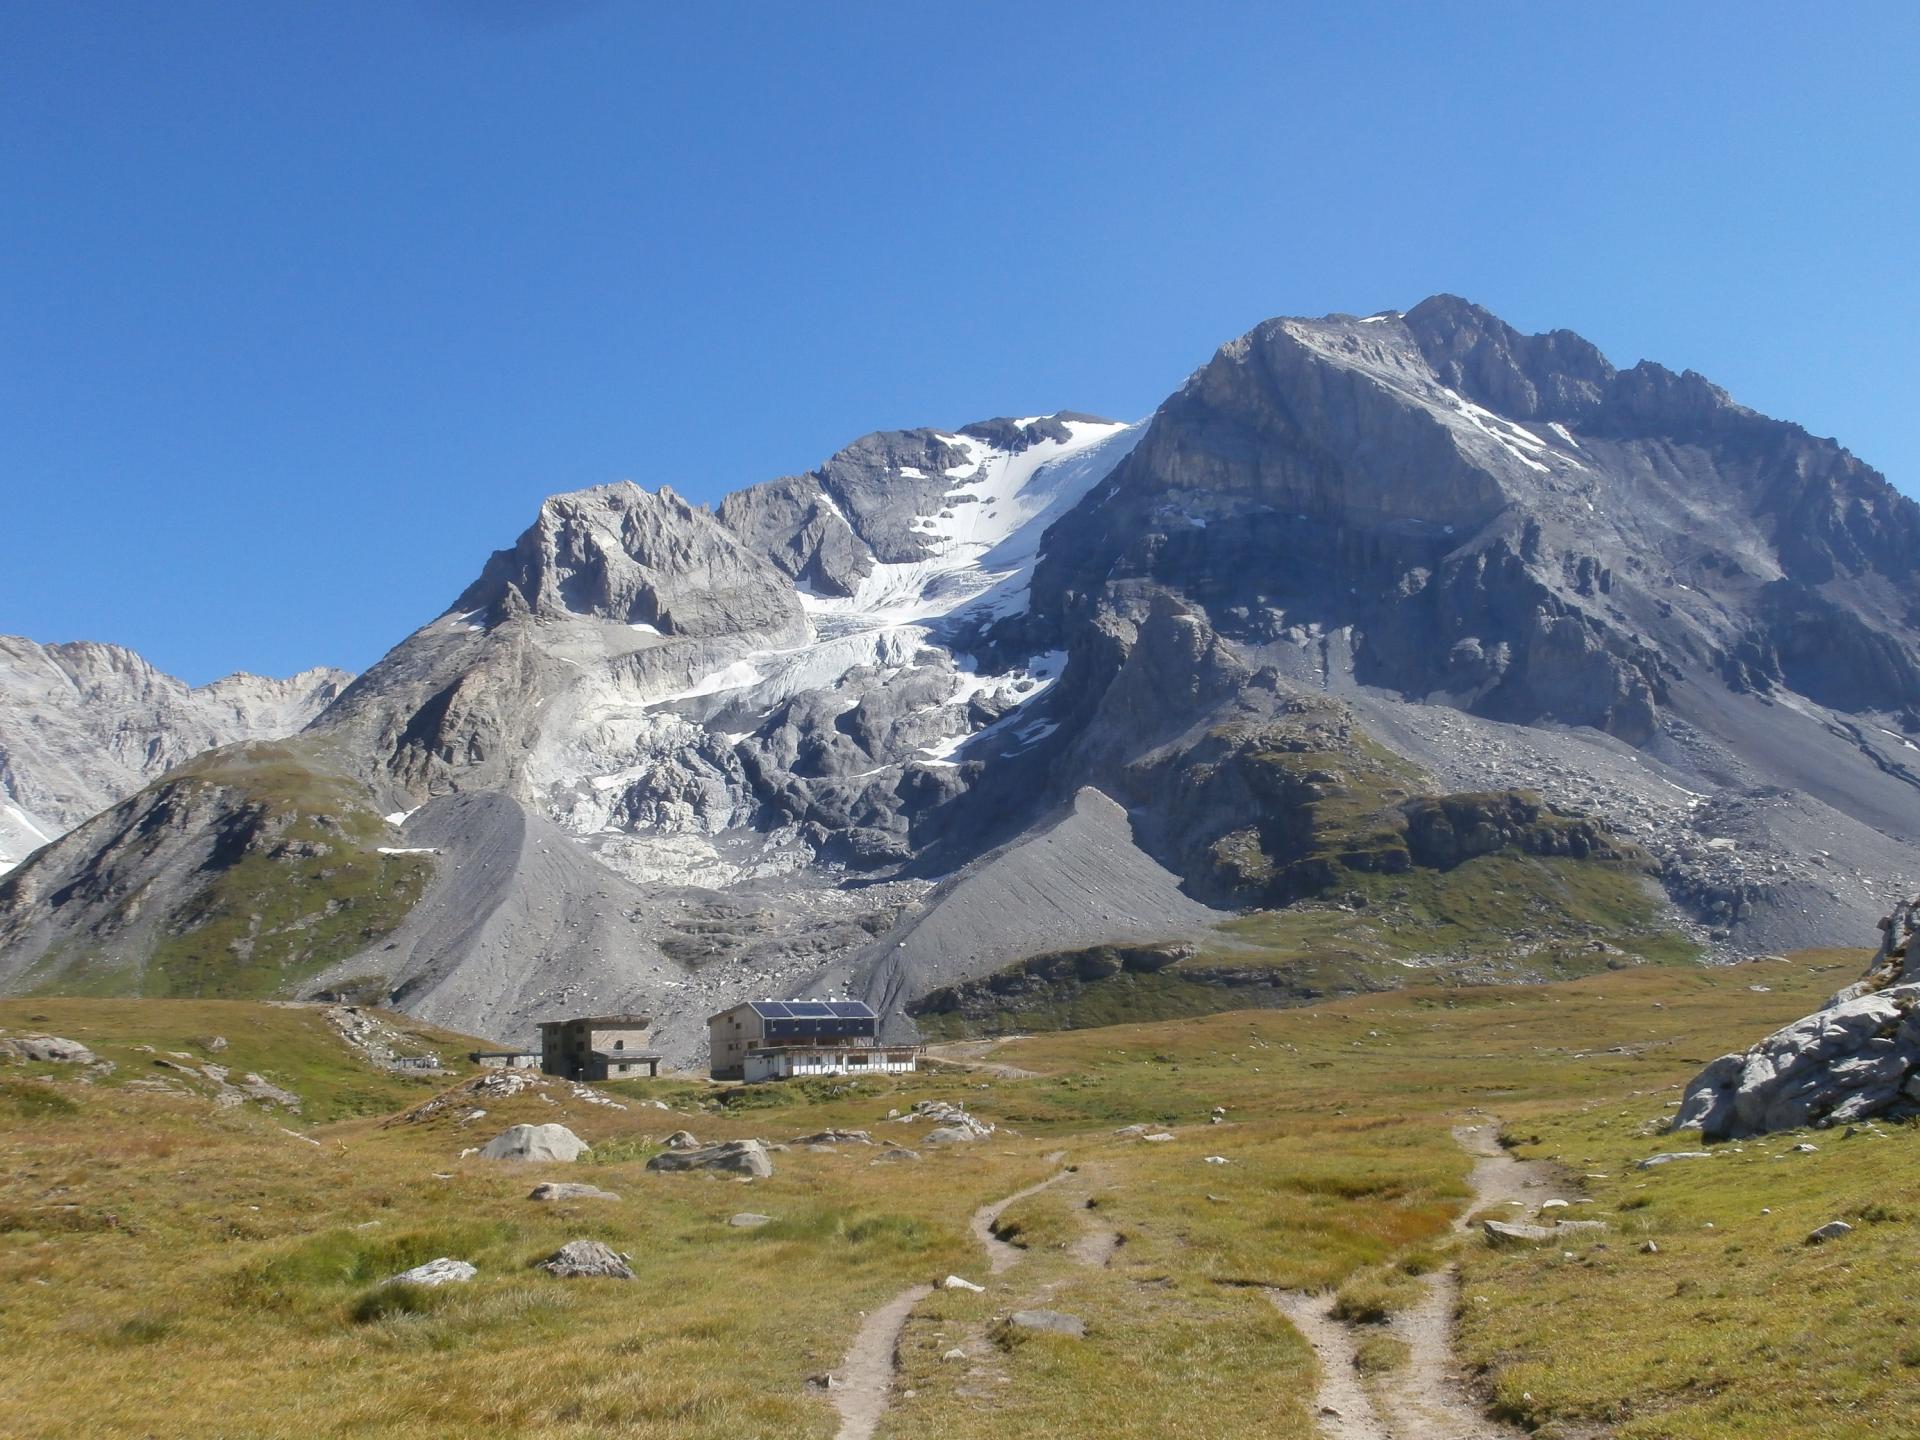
[(1555, 376), (639, 558)]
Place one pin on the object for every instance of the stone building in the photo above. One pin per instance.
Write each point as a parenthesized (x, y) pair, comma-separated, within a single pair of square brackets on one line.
[(599, 1047), (505, 1059)]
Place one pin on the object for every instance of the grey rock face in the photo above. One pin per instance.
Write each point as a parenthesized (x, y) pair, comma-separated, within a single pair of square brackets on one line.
[(614, 593), (85, 725), (535, 1143), (732, 1157), (1414, 468), (1857, 1059), (621, 553)]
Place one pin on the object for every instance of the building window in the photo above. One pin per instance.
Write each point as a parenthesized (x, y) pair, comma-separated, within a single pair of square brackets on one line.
[(619, 1044)]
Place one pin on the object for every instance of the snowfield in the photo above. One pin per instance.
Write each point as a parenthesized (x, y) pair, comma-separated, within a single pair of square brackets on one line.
[(983, 545)]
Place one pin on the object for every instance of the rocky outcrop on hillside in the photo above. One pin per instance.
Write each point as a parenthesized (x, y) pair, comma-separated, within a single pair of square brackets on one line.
[(1858, 1058), (637, 558), (615, 597), (84, 725)]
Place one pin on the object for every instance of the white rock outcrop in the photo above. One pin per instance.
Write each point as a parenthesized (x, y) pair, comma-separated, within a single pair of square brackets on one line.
[(444, 1271), (1855, 1059)]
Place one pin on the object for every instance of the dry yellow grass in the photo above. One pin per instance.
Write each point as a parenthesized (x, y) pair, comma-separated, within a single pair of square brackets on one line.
[(169, 1270)]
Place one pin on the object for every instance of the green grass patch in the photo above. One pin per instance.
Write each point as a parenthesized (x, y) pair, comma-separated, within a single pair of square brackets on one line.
[(295, 883), (291, 1046)]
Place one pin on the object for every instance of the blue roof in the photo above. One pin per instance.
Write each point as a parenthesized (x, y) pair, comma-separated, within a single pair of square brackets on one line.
[(813, 1010)]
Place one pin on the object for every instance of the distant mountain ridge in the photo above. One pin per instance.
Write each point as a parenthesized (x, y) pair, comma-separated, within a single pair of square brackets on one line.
[(83, 725), (1370, 605)]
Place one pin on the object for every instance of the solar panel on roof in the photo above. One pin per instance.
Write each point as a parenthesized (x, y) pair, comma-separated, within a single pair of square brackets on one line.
[(812, 1010)]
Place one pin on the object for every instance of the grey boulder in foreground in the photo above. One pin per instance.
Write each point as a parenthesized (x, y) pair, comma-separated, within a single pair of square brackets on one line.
[(567, 1190), (535, 1142), (734, 1157), (444, 1271), (47, 1049), (579, 1259), (1856, 1059), (1504, 1232)]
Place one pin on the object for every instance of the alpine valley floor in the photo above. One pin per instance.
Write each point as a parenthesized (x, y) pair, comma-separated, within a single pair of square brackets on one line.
[(176, 1262)]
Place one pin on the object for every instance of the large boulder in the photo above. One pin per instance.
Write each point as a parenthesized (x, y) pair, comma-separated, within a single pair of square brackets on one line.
[(46, 1048), (535, 1142), (734, 1157), (950, 1135), (953, 1121), (1856, 1059)]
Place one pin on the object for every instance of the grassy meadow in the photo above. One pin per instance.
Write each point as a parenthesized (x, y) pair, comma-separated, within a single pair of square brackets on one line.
[(168, 1268)]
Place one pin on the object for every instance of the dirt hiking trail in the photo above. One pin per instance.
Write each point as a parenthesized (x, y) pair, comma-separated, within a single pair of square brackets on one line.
[(863, 1382), (1427, 1398)]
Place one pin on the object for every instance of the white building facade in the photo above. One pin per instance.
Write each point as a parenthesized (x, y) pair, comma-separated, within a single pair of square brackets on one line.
[(786, 1061)]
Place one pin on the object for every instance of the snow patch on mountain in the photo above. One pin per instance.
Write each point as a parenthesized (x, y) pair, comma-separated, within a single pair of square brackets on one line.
[(982, 545), (20, 836)]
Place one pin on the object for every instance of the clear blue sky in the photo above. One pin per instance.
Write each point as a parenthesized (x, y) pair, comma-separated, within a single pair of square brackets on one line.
[(304, 307)]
